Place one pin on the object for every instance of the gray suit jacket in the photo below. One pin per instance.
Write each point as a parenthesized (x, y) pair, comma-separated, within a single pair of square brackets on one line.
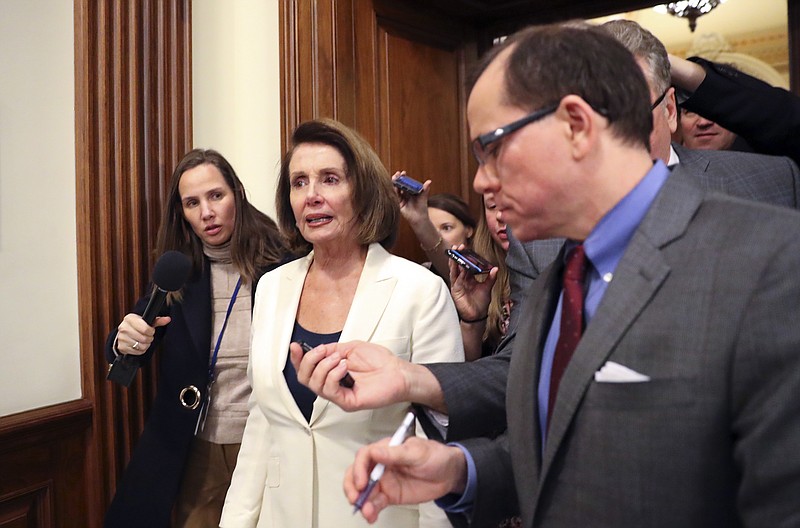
[(475, 392), (705, 303)]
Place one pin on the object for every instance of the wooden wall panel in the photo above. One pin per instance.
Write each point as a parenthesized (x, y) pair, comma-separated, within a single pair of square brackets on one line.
[(45, 471), (315, 80), (421, 117), (394, 75), (27, 508)]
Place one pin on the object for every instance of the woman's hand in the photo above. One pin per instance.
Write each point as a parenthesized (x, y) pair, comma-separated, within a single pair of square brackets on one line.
[(414, 208), (134, 335), (471, 297)]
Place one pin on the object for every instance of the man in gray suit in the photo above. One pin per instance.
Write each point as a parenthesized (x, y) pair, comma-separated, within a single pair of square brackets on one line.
[(679, 405)]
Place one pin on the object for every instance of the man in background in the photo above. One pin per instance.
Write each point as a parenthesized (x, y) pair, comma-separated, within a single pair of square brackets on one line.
[(703, 134)]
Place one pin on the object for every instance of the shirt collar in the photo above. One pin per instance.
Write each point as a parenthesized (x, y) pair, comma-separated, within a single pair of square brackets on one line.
[(673, 157), (607, 242)]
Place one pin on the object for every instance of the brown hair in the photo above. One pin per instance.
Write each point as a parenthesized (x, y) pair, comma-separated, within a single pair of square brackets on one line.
[(374, 201), (485, 245), (255, 243), (547, 63), (455, 206)]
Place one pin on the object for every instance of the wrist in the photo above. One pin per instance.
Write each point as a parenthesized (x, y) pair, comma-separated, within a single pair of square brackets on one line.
[(435, 246), (473, 321), (422, 387), (457, 467)]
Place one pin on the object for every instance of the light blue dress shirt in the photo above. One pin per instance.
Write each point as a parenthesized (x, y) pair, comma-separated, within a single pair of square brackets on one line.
[(604, 248)]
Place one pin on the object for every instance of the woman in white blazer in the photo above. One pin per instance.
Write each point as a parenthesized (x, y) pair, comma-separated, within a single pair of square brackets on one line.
[(334, 198)]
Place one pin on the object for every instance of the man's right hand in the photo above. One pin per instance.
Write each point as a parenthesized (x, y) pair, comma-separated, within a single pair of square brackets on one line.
[(381, 378), (416, 471)]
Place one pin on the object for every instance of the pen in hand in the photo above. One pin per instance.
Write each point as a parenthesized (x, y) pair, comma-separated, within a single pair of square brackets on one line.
[(377, 472)]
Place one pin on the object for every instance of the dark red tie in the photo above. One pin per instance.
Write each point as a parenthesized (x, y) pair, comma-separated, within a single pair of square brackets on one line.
[(571, 321)]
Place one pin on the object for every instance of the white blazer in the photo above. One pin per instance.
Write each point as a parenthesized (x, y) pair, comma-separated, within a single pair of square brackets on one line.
[(290, 472)]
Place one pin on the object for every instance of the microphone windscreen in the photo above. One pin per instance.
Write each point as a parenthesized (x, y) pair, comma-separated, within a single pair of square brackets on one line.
[(171, 270)]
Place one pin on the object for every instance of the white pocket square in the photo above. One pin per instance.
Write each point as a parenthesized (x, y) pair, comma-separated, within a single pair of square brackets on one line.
[(613, 372)]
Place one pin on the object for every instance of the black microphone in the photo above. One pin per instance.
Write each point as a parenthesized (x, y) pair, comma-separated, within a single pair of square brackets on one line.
[(169, 274)]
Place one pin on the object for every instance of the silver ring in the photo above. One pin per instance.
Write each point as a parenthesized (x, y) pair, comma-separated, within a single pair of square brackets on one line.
[(135, 345)]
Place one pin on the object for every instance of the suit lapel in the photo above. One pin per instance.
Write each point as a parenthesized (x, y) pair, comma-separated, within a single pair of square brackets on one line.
[(374, 290), (522, 399), (286, 300), (196, 309), (637, 278), (375, 287)]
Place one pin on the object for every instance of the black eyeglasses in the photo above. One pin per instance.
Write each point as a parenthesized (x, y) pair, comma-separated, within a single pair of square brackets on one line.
[(480, 143), (660, 98)]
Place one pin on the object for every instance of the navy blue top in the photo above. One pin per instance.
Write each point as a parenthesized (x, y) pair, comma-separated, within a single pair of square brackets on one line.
[(302, 394)]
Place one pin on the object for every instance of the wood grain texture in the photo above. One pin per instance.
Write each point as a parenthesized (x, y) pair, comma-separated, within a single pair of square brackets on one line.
[(45, 468), (395, 75), (133, 123)]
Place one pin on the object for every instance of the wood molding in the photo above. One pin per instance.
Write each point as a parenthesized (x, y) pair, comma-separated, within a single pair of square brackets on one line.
[(28, 507), (421, 24), (24, 428), (132, 125), (45, 472)]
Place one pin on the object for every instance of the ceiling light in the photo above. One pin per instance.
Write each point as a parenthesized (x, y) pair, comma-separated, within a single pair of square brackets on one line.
[(691, 9)]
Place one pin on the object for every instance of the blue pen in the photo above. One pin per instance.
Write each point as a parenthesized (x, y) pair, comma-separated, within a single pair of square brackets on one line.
[(377, 471)]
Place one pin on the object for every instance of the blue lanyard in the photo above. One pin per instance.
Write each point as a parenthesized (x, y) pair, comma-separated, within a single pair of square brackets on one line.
[(221, 332), (201, 418)]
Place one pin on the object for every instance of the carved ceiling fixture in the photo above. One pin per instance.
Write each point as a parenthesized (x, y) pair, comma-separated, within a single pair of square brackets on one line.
[(691, 10)]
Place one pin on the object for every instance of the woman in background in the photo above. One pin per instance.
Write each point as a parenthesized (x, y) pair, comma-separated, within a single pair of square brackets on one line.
[(452, 218), (492, 297), (484, 308), (335, 203), (230, 244)]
